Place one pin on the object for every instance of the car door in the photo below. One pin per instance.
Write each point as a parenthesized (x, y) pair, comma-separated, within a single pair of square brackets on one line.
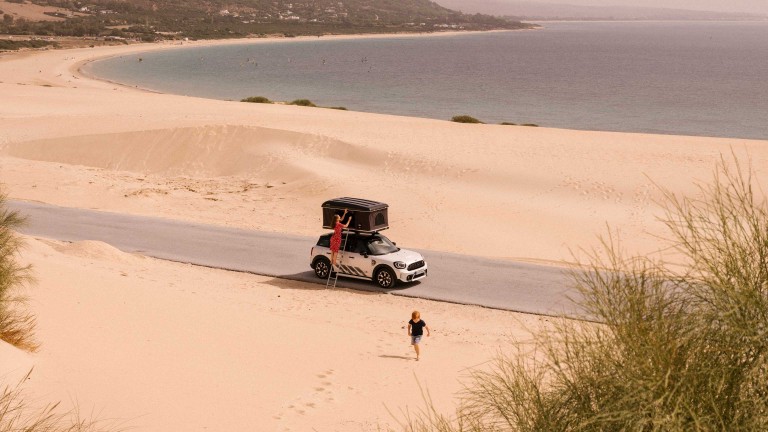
[(354, 262)]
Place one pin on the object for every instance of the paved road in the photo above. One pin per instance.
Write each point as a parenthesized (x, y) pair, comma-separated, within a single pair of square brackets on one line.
[(454, 278)]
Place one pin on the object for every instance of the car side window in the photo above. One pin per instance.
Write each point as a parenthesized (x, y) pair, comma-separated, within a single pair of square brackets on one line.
[(351, 245), (324, 241), (362, 247)]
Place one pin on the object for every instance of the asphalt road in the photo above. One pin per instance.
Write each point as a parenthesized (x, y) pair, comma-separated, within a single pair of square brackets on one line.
[(453, 278)]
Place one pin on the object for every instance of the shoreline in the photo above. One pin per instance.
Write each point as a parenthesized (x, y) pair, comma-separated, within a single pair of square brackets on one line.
[(148, 47)]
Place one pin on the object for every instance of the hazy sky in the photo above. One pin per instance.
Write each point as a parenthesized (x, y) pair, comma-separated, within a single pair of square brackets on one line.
[(752, 6)]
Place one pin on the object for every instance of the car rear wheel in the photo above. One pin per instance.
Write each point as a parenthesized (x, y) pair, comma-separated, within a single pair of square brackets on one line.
[(322, 267), (384, 278)]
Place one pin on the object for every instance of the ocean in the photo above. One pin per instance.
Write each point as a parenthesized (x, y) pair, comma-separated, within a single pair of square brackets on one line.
[(682, 78)]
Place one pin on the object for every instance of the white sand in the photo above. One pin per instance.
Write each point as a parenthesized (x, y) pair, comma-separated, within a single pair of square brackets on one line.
[(171, 347)]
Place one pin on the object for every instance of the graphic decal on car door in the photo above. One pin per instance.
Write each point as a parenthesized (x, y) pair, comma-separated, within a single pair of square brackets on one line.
[(355, 262)]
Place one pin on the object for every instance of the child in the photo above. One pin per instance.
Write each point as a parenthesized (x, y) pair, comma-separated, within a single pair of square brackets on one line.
[(415, 330)]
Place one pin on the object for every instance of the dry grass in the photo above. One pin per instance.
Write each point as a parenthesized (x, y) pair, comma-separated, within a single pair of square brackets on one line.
[(16, 325), (17, 416), (677, 348)]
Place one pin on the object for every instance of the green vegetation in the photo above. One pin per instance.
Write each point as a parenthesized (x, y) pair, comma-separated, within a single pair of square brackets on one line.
[(341, 108), (508, 124), (256, 99), (217, 19), (16, 325), (465, 119), (303, 102), (12, 45), (676, 346), (530, 124)]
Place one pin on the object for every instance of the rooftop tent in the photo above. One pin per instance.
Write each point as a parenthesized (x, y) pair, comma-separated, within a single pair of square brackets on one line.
[(367, 215)]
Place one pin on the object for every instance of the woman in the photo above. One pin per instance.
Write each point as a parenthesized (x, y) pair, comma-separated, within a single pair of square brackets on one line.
[(336, 237)]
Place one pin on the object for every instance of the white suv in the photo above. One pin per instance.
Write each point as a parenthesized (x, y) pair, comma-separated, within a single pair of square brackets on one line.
[(369, 256)]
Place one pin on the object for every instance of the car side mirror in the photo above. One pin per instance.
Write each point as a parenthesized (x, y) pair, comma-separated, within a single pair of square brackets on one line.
[(364, 254)]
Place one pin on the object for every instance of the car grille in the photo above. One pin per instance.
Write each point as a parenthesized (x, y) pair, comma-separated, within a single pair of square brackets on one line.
[(417, 264)]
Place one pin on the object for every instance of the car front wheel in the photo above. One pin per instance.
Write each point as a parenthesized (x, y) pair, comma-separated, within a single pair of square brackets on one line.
[(385, 278), (322, 268)]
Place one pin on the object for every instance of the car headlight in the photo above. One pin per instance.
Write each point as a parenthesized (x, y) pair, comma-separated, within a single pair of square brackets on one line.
[(399, 264)]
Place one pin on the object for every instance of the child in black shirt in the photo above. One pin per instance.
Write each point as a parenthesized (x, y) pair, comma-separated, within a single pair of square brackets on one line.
[(415, 330)]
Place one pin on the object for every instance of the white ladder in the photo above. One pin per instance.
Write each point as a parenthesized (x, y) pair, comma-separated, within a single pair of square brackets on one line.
[(334, 275)]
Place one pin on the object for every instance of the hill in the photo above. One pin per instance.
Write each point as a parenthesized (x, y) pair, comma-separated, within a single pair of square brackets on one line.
[(164, 19), (550, 11)]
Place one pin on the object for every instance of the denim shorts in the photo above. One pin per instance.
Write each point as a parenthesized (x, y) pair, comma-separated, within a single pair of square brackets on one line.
[(415, 339)]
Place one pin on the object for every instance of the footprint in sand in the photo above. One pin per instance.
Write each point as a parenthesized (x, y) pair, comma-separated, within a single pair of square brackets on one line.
[(320, 393)]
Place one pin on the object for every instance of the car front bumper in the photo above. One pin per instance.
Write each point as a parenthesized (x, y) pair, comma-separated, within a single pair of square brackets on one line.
[(405, 275)]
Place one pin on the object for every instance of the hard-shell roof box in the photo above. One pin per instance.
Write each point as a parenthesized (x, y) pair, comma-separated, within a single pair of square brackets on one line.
[(367, 215)]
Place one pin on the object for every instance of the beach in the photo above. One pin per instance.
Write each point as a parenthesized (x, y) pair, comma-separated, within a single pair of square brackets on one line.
[(162, 346)]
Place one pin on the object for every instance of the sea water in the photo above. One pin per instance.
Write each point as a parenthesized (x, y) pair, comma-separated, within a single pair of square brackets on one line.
[(686, 78)]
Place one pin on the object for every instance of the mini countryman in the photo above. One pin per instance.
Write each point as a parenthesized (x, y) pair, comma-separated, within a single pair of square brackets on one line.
[(370, 256)]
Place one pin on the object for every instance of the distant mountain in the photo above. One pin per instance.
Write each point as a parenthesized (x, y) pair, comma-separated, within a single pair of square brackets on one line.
[(153, 19), (554, 11)]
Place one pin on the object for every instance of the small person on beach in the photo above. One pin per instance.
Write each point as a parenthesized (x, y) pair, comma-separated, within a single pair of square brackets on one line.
[(416, 330), (336, 238)]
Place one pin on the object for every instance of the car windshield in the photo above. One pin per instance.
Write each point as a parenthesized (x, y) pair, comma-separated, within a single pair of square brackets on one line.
[(380, 245)]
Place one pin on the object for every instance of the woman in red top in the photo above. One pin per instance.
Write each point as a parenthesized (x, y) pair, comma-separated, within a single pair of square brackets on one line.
[(336, 238)]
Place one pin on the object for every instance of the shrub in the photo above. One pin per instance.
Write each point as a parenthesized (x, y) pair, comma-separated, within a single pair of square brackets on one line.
[(303, 102), (675, 347), (256, 99), (16, 325), (339, 108), (530, 124), (508, 124), (465, 119)]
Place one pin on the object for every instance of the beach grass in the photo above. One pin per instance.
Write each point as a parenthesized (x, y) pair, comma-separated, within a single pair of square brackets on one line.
[(16, 325), (671, 346), (16, 415)]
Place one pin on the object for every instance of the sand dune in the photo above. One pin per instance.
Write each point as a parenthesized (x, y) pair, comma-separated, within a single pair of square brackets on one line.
[(206, 151), (159, 346)]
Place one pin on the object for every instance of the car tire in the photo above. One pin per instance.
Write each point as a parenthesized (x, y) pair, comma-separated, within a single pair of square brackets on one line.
[(322, 267), (385, 278)]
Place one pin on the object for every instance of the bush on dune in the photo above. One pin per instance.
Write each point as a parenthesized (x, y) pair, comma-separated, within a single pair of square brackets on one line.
[(303, 102), (465, 119), (674, 347), (256, 99)]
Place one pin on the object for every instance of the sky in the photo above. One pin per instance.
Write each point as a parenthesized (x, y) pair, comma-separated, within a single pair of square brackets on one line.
[(750, 6)]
